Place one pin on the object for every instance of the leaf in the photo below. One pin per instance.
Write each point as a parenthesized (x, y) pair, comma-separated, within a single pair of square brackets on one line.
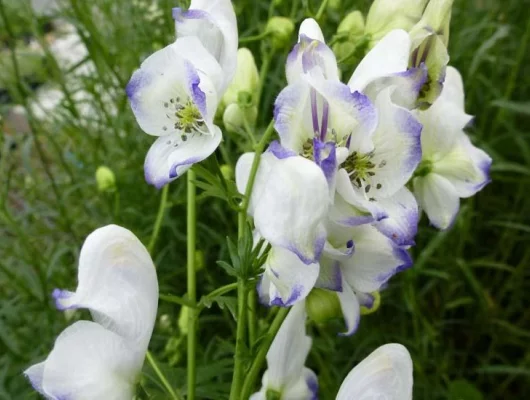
[(228, 302), (230, 270), (518, 107), (464, 390)]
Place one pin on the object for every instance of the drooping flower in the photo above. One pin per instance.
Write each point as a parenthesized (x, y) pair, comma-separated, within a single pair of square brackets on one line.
[(385, 374), (175, 93), (103, 359), (286, 377), (451, 167), (289, 203)]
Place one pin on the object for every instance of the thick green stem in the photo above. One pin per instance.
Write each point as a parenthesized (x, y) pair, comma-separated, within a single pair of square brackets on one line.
[(159, 217), (255, 369), (237, 382), (192, 293)]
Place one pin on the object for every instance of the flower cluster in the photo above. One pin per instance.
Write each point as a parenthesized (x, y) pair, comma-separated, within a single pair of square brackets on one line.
[(337, 197), (103, 359)]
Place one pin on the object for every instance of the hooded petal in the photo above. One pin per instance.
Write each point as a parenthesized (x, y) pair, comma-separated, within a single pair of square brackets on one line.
[(172, 155), (117, 283), (286, 279), (351, 310), (330, 276), (375, 260), (403, 216), (290, 202), (389, 56), (214, 23), (175, 88), (438, 198), (311, 52), (384, 374), (88, 362)]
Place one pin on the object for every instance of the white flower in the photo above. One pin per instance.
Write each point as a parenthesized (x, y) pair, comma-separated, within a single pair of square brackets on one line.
[(286, 375), (103, 359), (174, 95), (451, 167), (385, 374), (289, 202), (214, 23)]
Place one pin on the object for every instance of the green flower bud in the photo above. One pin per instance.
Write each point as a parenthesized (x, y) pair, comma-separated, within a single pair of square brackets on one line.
[(165, 322), (352, 24), (234, 117), (105, 179), (281, 30), (375, 306), (246, 79), (386, 15), (199, 260), (351, 39), (323, 305), (227, 171), (334, 5), (183, 320), (435, 20)]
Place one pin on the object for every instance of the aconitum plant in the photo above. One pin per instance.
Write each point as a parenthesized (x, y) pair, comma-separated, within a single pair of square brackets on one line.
[(328, 197)]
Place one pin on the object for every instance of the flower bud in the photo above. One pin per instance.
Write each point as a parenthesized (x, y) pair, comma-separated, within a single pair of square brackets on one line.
[(435, 20), (246, 79), (386, 15), (323, 305), (352, 24), (234, 117), (334, 5), (183, 320), (199, 260), (227, 171), (105, 179), (350, 34), (281, 29)]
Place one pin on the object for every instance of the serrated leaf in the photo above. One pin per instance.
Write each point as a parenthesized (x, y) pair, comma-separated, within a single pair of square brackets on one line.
[(230, 270)]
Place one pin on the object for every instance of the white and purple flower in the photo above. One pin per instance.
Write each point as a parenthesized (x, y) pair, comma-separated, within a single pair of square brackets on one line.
[(175, 93), (451, 167), (103, 359)]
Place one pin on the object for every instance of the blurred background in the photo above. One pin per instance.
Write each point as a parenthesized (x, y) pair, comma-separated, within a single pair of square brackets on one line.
[(463, 310)]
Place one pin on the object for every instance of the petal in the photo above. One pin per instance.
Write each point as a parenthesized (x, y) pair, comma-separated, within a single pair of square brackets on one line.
[(90, 362), (330, 276), (397, 146), (35, 374), (289, 349), (344, 213), (170, 156), (326, 157), (292, 204), (293, 116), (389, 56), (214, 24), (351, 309), (167, 81), (403, 216), (305, 388), (286, 279), (385, 373), (310, 52), (375, 260), (117, 283), (438, 198), (466, 167)]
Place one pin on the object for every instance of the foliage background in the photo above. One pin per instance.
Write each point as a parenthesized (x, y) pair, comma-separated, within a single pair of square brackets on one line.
[(462, 310)]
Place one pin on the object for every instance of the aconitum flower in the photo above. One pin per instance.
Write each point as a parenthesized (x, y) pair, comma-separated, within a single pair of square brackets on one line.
[(286, 377), (451, 167), (175, 93), (289, 203), (103, 359)]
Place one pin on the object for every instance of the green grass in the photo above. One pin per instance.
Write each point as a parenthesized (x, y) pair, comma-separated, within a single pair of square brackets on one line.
[(462, 310)]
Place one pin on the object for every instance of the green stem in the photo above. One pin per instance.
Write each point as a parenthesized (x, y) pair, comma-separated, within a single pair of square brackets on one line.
[(256, 366), (263, 73), (254, 38), (159, 219), (162, 377), (321, 10), (222, 290), (237, 380), (251, 317), (192, 293), (177, 300)]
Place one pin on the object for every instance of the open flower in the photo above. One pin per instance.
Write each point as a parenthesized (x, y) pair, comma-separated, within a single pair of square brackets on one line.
[(289, 203), (286, 377), (451, 167), (385, 374), (175, 93), (103, 359)]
